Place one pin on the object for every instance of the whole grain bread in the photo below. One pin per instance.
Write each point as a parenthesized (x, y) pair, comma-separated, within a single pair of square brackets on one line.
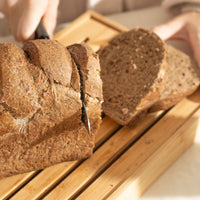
[(41, 106), (133, 74), (183, 78), (85, 60)]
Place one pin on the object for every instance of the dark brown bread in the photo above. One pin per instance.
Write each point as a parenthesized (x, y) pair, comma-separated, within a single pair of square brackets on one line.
[(182, 79), (133, 73), (13, 91), (40, 106), (85, 60)]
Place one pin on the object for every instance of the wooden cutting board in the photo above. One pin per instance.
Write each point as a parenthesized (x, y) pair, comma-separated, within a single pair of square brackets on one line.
[(125, 161)]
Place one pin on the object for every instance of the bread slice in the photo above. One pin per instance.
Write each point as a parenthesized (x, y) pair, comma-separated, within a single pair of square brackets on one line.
[(41, 106), (85, 60), (133, 74), (183, 78)]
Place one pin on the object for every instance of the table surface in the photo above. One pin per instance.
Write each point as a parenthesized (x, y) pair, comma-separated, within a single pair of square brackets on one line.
[(182, 179)]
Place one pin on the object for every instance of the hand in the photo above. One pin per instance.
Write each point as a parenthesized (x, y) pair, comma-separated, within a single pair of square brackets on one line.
[(185, 26), (23, 16)]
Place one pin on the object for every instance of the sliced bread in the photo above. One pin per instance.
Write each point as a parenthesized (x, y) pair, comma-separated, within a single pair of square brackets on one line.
[(88, 65), (41, 105), (133, 74), (183, 78)]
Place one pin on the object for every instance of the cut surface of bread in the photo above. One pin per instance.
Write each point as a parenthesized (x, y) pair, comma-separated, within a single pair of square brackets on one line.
[(41, 106), (183, 78), (133, 73)]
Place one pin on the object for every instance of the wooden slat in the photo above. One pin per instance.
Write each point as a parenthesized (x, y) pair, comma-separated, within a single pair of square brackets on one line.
[(136, 184), (52, 175), (138, 154), (107, 128), (11, 184), (88, 170)]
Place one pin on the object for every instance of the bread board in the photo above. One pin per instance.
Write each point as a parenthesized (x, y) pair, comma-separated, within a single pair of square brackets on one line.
[(125, 161)]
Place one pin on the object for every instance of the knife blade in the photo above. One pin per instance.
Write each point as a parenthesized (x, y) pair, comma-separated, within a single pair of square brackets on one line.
[(41, 33)]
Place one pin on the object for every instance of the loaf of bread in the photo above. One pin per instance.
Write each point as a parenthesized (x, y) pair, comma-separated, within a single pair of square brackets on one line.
[(183, 78), (141, 73), (133, 73), (41, 91)]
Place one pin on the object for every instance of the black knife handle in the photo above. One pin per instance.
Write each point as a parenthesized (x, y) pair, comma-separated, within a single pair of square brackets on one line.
[(40, 32)]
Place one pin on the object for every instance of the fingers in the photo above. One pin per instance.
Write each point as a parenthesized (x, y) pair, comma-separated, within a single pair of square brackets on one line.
[(185, 26), (172, 29), (50, 17), (33, 12), (30, 18)]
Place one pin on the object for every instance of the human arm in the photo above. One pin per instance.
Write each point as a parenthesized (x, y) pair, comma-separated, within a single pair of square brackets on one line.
[(185, 26)]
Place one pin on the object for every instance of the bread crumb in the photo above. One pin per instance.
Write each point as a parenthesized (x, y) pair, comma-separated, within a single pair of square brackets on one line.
[(125, 111), (1, 109), (134, 66)]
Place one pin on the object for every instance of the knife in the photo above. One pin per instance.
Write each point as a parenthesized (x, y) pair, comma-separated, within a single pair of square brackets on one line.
[(41, 33)]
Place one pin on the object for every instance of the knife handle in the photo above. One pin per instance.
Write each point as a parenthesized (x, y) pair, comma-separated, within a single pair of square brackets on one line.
[(40, 32)]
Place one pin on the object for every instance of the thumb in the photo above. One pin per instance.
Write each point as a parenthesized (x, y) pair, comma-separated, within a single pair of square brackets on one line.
[(172, 29)]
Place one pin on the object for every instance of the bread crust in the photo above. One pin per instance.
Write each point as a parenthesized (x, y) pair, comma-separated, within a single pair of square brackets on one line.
[(54, 133), (86, 59), (121, 42), (183, 74), (171, 100)]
